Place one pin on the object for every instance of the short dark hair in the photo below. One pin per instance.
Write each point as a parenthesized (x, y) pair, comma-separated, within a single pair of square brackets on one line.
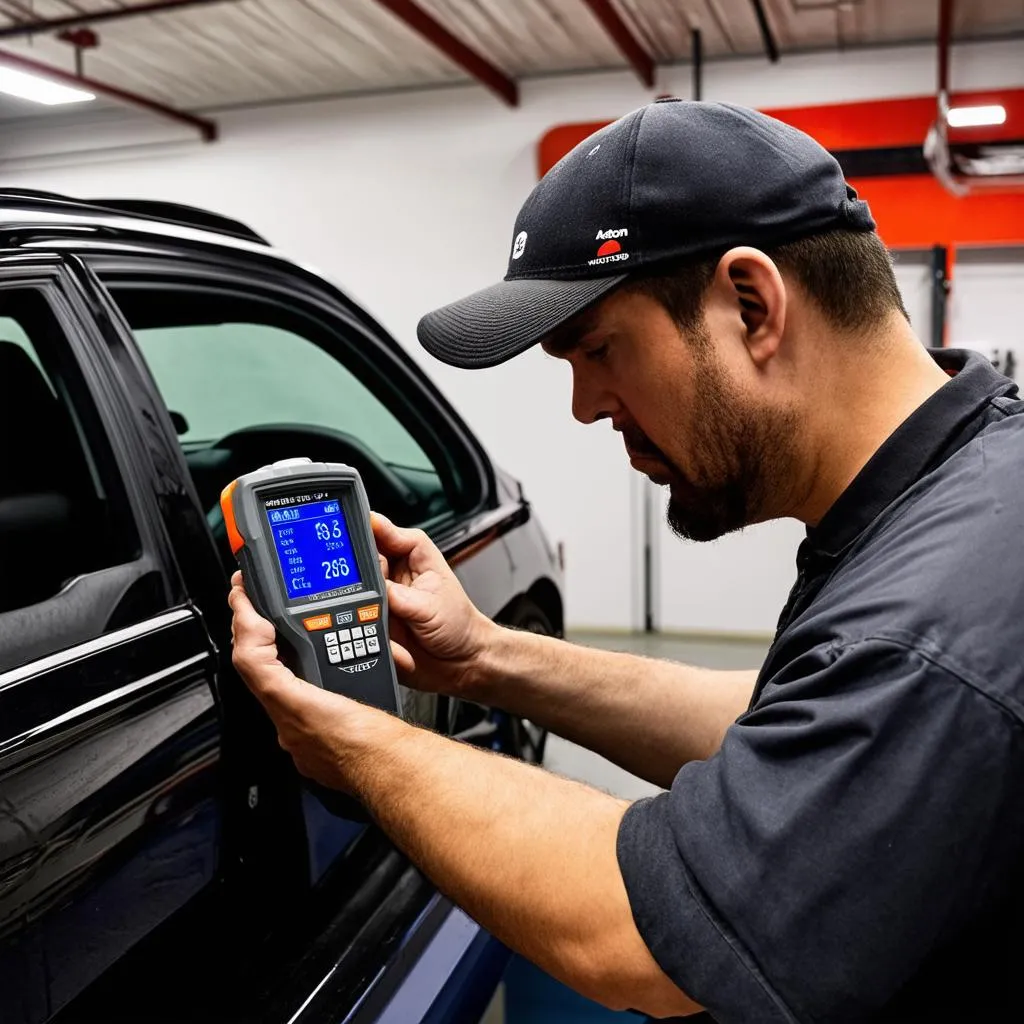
[(848, 274)]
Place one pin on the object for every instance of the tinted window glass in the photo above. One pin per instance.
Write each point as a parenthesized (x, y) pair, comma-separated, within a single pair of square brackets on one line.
[(249, 381), (227, 376), (63, 511)]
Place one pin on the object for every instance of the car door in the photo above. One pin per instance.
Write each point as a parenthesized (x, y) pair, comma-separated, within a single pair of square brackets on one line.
[(109, 729), (253, 369)]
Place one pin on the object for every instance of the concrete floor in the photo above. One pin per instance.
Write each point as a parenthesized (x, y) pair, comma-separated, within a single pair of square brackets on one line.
[(536, 998)]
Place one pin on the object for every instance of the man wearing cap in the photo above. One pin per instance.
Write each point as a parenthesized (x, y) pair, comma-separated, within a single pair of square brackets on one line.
[(842, 834)]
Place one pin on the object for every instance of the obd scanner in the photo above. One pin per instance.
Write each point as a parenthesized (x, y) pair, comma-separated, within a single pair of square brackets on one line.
[(300, 531)]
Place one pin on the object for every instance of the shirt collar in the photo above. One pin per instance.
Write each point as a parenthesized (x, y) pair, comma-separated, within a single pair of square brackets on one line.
[(930, 434)]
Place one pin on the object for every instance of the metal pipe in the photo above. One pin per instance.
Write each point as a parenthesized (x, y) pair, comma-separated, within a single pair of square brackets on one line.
[(770, 46), (945, 34), (697, 45), (940, 294), (207, 129), (35, 25)]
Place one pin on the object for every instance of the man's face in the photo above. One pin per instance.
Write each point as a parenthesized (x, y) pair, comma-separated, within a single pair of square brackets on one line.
[(687, 413)]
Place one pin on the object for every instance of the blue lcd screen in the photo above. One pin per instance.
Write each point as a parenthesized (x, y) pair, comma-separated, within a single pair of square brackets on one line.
[(314, 549)]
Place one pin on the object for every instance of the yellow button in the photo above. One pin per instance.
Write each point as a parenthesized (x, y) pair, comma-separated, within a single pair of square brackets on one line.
[(369, 613), (317, 622)]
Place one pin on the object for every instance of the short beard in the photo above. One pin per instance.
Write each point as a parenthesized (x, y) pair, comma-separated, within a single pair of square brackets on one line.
[(742, 458)]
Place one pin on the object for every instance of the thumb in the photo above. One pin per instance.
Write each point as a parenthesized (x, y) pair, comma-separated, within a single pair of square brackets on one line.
[(410, 604)]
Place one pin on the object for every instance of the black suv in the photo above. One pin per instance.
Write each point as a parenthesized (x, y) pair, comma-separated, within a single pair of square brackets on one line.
[(160, 859)]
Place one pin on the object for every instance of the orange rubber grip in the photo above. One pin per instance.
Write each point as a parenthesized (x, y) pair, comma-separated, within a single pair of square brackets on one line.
[(227, 506)]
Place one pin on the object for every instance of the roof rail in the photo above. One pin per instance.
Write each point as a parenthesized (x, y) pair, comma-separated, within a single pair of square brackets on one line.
[(150, 209), (178, 213)]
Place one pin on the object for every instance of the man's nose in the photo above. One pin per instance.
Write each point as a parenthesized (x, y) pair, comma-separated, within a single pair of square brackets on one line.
[(590, 401)]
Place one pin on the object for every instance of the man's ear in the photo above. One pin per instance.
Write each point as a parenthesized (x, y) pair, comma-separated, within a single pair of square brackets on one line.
[(751, 280)]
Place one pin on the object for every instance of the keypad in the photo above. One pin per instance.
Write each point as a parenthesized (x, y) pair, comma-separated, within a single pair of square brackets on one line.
[(351, 641)]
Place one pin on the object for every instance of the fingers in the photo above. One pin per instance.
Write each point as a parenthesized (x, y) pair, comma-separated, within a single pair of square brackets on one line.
[(384, 568), (255, 647), (410, 604), (404, 661), (393, 540)]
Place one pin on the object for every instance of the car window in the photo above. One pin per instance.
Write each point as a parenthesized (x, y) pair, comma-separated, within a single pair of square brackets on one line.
[(11, 331), (249, 380), (63, 512), (227, 376)]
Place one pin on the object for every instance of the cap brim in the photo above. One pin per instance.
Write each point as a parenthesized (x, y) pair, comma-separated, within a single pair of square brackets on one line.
[(499, 322)]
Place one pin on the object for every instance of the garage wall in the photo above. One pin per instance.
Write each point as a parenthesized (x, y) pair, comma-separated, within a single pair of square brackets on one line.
[(984, 306), (407, 200)]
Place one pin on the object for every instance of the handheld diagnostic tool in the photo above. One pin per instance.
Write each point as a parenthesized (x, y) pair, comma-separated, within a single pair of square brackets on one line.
[(300, 531)]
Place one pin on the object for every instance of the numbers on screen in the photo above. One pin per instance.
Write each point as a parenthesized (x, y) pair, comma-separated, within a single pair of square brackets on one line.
[(328, 531), (335, 568)]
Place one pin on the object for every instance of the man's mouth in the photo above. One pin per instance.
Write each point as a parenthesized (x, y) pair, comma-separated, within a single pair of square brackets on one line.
[(639, 447), (651, 463), (636, 456)]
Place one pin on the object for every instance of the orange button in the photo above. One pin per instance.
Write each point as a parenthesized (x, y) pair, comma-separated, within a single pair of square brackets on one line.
[(370, 613), (317, 622)]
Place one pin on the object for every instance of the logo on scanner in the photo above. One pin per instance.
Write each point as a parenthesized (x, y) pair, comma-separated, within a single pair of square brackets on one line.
[(360, 666)]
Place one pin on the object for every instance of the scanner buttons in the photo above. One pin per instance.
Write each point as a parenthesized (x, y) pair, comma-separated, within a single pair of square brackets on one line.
[(353, 641), (369, 613)]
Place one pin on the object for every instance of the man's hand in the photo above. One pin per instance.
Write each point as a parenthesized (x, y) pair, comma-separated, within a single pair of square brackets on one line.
[(528, 855), (327, 735), (437, 634)]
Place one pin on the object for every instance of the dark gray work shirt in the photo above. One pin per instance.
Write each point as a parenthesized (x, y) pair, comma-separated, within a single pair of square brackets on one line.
[(855, 850)]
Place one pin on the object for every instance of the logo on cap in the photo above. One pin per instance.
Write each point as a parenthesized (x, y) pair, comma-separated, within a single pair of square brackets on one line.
[(519, 246), (611, 249)]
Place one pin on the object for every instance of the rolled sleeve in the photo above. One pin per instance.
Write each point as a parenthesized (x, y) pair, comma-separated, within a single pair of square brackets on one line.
[(841, 833)]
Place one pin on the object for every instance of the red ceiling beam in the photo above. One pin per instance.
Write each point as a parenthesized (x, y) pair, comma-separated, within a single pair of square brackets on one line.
[(469, 60), (643, 63), (31, 25), (207, 129)]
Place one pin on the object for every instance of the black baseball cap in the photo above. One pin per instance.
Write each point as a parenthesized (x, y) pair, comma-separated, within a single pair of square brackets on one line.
[(671, 180)]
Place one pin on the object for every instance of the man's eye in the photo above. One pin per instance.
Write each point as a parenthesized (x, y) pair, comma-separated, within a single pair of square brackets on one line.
[(597, 354)]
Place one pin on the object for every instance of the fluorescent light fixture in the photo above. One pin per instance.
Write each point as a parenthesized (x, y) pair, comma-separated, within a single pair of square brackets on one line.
[(39, 89), (973, 117)]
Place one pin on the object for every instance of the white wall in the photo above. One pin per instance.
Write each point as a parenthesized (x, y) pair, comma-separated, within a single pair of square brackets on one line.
[(984, 305), (408, 200)]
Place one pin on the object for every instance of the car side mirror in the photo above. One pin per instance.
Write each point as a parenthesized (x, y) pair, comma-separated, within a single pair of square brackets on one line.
[(180, 423)]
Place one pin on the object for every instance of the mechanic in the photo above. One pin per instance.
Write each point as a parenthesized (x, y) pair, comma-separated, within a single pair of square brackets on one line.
[(841, 836)]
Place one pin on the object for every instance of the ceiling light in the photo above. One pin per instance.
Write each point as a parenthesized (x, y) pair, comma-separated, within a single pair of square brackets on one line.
[(972, 117), (38, 89)]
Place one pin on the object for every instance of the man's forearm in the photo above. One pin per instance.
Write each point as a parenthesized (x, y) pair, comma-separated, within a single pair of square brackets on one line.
[(528, 855), (648, 716)]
